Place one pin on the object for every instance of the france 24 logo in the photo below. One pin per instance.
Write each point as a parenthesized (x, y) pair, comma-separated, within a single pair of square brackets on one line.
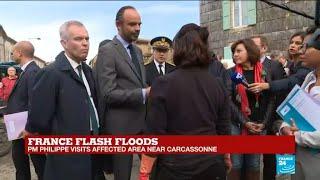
[(286, 163)]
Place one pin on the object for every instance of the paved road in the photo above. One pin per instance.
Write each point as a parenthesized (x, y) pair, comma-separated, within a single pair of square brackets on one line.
[(7, 170)]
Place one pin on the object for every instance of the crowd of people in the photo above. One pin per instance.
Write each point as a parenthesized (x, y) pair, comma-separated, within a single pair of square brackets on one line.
[(122, 96)]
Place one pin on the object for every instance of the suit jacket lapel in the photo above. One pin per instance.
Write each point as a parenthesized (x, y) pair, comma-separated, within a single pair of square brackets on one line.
[(88, 73), (75, 76), (169, 68), (64, 65), (141, 63), (266, 63), (16, 83), (20, 77), (166, 68), (154, 70), (127, 58)]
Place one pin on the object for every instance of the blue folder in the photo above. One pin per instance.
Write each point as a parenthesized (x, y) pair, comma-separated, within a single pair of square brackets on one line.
[(288, 112)]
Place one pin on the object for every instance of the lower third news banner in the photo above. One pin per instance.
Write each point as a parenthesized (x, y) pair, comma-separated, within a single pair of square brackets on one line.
[(159, 144)]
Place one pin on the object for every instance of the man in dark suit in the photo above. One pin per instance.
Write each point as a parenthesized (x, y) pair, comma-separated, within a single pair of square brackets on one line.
[(64, 103), (277, 73), (274, 67), (121, 82), (158, 67), (18, 101)]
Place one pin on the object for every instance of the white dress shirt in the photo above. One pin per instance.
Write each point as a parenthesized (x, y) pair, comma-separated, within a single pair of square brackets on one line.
[(74, 65), (263, 58), (162, 68), (25, 65)]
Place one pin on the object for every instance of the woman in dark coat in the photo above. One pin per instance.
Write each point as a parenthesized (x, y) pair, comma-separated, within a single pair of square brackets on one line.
[(187, 101), (257, 108)]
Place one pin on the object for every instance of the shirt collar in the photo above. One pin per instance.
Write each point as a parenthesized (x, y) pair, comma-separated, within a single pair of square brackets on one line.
[(313, 76), (262, 58), (315, 91), (25, 65), (123, 42), (286, 63), (310, 79), (73, 63), (157, 64)]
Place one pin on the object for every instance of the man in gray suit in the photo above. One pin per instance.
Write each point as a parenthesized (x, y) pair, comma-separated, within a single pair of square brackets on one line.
[(121, 82)]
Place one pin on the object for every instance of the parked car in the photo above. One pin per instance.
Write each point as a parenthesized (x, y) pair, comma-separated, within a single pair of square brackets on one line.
[(4, 66)]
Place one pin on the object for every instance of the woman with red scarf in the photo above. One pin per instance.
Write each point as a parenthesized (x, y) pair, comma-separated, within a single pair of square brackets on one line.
[(257, 107), (7, 84)]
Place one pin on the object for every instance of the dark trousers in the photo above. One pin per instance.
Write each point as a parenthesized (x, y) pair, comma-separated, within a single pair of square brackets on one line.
[(122, 165), (22, 164), (269, 162), (97, 167), (215, 171), (269, 166), (107, 164)]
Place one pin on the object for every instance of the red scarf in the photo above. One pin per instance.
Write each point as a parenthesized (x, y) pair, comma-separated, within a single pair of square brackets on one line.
[(245, 109)]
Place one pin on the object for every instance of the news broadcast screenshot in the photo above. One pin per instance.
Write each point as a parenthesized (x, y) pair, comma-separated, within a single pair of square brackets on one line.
[(160, 90)]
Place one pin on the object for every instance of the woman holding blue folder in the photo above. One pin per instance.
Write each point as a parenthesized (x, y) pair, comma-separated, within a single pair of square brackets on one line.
[(307, 159)]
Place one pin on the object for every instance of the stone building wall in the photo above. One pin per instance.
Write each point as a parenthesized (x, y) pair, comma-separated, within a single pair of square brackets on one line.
[(272, 22)]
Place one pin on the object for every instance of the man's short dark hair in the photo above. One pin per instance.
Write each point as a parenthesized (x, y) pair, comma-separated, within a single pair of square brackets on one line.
[(119, 16), (263, 40)]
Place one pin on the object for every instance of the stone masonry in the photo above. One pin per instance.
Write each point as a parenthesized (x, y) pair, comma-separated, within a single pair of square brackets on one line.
[(272, 22)]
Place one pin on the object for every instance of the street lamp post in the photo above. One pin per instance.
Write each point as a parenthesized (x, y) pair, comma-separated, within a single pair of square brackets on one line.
[(36, 38)]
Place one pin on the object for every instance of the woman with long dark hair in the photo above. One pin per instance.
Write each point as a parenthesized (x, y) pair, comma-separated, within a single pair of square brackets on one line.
[(295, 44), (187, 101), (296, 72), (256, 107)]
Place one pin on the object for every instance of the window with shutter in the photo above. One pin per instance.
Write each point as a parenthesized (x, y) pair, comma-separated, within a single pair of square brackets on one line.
[(238, 13), (226, 14), (251, 9), (227, 54)]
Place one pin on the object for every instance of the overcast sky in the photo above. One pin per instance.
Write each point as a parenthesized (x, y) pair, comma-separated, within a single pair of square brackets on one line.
[(25, 20)]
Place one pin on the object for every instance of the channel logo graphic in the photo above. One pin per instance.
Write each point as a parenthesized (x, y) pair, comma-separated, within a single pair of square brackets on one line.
[(286, 163), (285, 110)]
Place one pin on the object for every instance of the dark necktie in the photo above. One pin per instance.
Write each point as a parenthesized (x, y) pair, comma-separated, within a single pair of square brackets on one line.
[(93, 119), (134, 58), (160, 69), (21, 74)]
